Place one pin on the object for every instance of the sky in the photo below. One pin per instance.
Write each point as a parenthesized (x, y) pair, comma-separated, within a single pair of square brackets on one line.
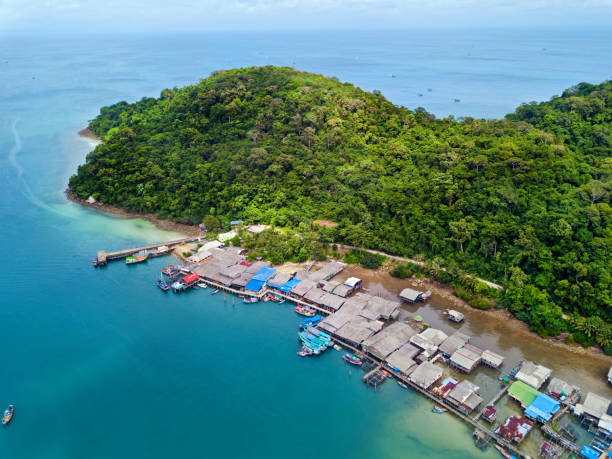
[(31, 16)]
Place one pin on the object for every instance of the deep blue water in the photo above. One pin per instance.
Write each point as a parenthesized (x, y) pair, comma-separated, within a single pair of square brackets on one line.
[(100, 363)]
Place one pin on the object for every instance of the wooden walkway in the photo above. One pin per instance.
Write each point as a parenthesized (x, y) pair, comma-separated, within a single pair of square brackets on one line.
[(104, 256), (493, 401)]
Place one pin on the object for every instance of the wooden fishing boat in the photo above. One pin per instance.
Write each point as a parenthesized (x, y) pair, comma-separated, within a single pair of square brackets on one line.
[(504, 453), (438, 409), (8, 414), (305, 352), (162, 285), (304, 310), (251, 299), (215, 291), (402, 384), (138, 258), (352, 359)]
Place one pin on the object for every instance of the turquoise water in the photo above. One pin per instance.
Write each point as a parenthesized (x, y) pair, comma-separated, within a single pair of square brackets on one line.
[(100, 363)]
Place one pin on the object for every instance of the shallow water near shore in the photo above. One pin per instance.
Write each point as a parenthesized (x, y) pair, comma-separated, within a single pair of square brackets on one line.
[(100, 363)]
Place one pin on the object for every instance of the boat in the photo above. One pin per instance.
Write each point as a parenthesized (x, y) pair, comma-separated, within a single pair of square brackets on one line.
[(504, 453), (402, 384), (250, 299), (311, 321), (438, 409), (167, 272), (8, 414), (305, 352), (352, 359), (311, 347), (162, 285), (304, 311), (455, 316), (337, 347), (138, 258), (202, 285), (217, 290)]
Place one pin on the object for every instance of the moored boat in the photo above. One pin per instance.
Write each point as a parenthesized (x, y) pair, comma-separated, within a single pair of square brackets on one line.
[(202, 285), (504, 453), (162, 285), (251, 299), (305, 352), (304, 310), (438, 409), (311, 321), (402, 384), (8, 414), (352, 359), (337, 347), (217, 290), (138, 258)]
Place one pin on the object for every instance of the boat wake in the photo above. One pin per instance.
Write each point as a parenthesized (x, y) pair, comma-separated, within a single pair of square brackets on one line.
[(12, 157)]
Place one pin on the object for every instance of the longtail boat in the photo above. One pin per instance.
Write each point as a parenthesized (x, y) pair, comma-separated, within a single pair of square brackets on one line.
[(304, 310), (352, 359), (8, 414)]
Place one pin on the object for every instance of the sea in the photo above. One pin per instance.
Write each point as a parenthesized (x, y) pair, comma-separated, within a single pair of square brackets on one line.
[(100, 363)]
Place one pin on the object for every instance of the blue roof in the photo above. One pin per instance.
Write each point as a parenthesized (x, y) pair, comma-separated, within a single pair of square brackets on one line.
[(236, 222), (264, 274), (542, 408), (287, 286), (589, 452), (254, 285)]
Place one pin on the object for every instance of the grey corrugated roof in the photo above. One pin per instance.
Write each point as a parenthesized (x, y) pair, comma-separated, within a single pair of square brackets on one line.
[(559, 386), (426, 374), (354, 332), (434, 335), (257, 266), (233, 271), (462, 391), (403, 358), (327, 271), (410, 294), (466, 357), (390, 338), (453, 342), (342, 290), (314, 294), (242, 280), (303, 287), (492, 358), (332, 301)]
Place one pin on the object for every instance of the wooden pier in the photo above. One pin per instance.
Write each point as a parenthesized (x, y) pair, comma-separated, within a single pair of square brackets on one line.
[(104, 257), (493, 401)]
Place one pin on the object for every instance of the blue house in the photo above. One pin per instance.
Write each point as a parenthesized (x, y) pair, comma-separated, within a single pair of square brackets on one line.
[(542, 408)]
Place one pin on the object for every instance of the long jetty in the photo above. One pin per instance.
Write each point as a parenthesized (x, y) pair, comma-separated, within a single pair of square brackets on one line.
[(104, 257)]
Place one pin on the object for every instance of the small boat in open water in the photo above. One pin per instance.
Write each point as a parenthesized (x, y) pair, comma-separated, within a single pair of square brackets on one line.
[(438, 409), (304, 311), (352, 359), (8, 414), (217, 290)]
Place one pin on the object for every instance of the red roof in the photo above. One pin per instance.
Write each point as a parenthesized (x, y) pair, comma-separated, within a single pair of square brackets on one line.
[(189, 278)]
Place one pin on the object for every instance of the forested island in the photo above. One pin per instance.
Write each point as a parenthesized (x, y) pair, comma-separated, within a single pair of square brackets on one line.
[(523, 201)]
